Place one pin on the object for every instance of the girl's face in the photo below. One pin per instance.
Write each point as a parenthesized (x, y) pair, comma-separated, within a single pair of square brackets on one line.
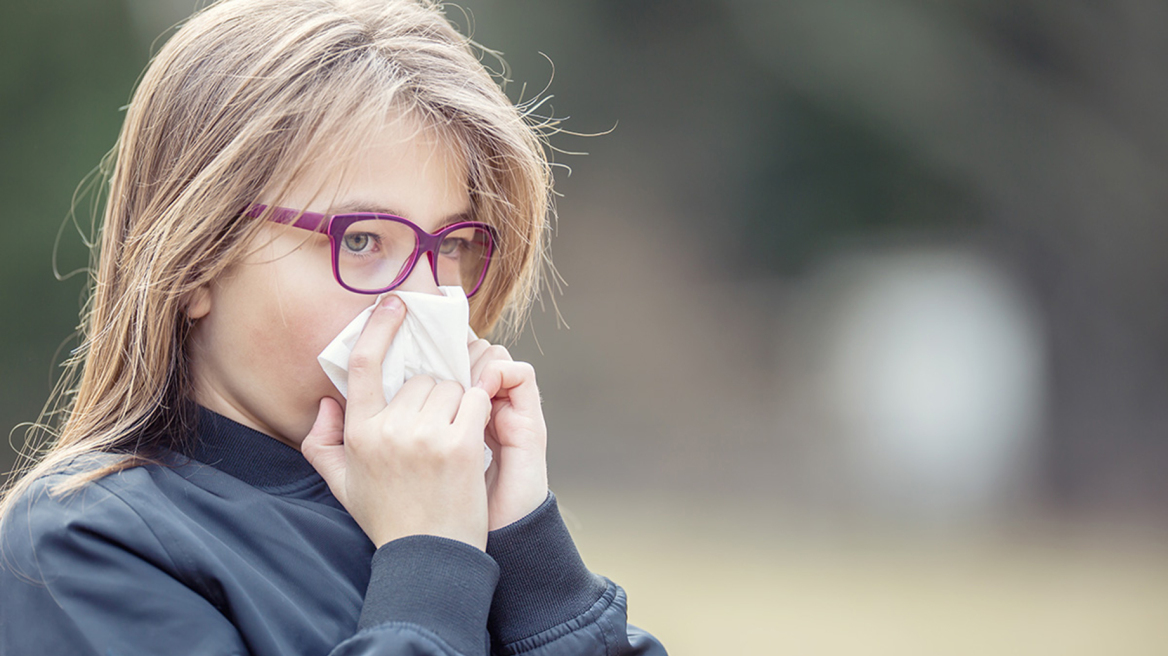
[(261, 325)]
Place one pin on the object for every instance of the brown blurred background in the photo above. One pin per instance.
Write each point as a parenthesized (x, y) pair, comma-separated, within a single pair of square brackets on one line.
[(867, 343)]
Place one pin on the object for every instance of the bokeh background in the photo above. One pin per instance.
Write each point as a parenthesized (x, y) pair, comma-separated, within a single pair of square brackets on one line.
[(863, 343)]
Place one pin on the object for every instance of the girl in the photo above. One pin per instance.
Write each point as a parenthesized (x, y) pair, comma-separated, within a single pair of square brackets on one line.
[(209, 490)]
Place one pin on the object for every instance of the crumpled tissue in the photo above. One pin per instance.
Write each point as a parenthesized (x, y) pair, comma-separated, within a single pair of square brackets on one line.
[(432, 340)]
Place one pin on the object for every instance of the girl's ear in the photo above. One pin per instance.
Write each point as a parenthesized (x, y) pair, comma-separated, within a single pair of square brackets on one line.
[(198, 304)]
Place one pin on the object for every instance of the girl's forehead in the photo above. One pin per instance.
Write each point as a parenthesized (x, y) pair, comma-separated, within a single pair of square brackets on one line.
[(398, 165)]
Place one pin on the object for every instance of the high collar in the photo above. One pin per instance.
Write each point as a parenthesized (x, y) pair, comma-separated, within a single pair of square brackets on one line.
[(246, 454)]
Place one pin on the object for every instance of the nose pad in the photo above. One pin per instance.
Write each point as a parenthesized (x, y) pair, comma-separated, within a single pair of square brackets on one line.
[(422, 278)]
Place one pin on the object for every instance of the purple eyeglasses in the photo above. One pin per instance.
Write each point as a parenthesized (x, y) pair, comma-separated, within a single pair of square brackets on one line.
[(374, 253)]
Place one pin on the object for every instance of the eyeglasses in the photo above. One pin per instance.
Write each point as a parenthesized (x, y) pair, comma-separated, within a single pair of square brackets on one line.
[(374, 253)]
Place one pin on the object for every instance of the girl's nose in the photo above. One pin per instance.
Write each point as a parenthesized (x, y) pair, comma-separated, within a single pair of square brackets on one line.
[(421, 279)]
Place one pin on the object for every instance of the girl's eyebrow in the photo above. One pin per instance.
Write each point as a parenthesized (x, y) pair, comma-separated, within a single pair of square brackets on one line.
[(354, 207)]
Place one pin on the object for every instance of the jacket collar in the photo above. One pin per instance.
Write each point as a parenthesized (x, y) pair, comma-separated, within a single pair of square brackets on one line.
[(246, 454)]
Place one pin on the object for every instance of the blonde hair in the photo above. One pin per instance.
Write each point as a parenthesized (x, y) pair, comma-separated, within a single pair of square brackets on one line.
[(233, 108)]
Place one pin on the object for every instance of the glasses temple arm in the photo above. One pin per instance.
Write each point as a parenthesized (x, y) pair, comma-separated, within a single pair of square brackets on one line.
[(313, 221)]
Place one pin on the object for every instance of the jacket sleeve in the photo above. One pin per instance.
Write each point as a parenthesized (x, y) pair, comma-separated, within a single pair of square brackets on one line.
[(84, 574), (547, 603)]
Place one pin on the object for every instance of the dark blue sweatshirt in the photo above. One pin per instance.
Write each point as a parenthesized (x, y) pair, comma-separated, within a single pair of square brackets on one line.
[(239, 548)]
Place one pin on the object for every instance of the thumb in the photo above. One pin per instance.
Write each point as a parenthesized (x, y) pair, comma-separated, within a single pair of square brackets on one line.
[(324, 446)]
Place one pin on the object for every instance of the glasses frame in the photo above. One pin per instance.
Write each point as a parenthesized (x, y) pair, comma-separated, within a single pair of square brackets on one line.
[(334, 225)]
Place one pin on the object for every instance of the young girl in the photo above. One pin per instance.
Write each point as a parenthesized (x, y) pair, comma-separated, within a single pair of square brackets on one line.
[(209, 490)]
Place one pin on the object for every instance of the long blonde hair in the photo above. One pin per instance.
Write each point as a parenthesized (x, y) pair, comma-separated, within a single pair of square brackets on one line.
[(239, 102)]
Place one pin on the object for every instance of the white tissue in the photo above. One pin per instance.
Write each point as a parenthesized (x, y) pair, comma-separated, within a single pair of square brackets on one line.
[(432, 340)]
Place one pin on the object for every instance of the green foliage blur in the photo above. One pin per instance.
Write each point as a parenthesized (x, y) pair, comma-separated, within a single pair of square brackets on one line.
[(65, 70)]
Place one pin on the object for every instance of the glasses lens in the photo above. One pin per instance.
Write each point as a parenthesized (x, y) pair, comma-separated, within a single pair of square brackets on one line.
[(463, 257), (374, 254)]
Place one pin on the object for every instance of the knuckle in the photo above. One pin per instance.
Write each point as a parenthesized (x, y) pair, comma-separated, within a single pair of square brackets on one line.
[(420, 381), (444, 449), (423, 438), (360, 361), (354, 442), (498, 352), (393, 427), (463, 447), (477, 395)]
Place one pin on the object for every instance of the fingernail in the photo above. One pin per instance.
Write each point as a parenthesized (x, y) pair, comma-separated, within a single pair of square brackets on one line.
[(392, 303)]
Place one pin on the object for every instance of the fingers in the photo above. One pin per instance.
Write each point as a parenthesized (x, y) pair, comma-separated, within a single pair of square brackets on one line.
[(324, 447), (413, 394), (476, 348), (444, 402), (482, 353), (416, 469), (425, 396), (412, 466), (514, 379), (474, 410), (366, 397)]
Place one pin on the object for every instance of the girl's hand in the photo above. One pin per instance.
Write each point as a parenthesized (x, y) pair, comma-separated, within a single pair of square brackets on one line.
[(413, 466), (517, 478)]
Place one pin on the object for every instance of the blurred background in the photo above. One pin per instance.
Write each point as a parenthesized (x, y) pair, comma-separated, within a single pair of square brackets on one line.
[(863, 344)]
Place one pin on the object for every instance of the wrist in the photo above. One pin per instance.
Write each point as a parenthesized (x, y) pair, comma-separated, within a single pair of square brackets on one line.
[(442, 585), (471, 536), (518, 504), (543, 581)]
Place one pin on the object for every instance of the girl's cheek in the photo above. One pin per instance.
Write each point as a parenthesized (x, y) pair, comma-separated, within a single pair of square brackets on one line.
[(298, 335), (308, 311), (296, 309)]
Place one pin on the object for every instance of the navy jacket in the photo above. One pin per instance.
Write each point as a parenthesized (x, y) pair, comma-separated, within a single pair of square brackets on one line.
[(239, 548)]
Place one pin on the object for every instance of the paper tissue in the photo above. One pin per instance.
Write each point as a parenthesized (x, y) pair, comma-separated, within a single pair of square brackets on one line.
[(432, 340)]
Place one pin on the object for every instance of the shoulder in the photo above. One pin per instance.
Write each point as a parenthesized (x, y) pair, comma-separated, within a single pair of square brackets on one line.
[(61, 517), (86, 569)]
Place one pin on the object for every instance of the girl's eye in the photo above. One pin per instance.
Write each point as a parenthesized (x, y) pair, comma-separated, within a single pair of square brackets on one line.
[(452, 246), (357, 242)]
